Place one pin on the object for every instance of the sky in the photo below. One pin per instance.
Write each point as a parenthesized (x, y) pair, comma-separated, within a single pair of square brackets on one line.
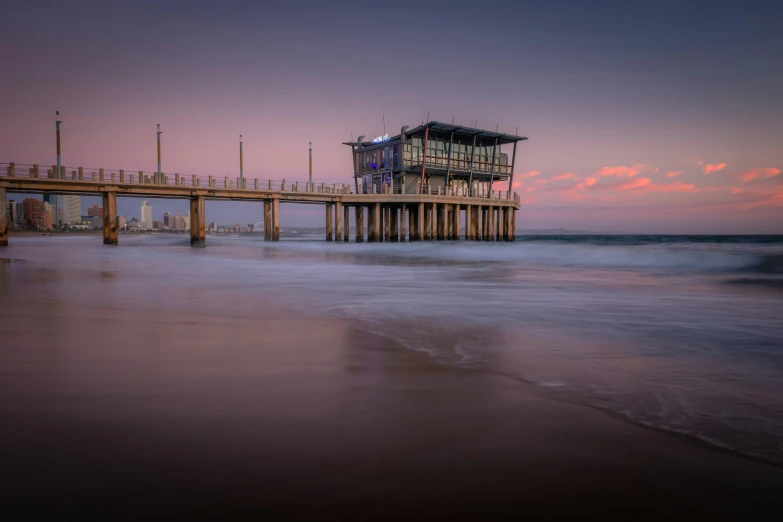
[(642, 117)]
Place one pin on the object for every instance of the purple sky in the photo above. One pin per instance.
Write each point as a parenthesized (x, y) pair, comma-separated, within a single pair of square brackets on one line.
[(642, 116)]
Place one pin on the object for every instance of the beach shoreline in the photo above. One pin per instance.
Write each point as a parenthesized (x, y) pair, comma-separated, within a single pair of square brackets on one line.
[(294, 418)]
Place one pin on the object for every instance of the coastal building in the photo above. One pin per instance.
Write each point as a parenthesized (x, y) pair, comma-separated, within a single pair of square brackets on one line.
[(168, 222), (12, 213), (34, 213), (71, 209), (95, 211), (179, 222), (122, 222), (53, 209), (435, 155), (48, 212), (146, 216)]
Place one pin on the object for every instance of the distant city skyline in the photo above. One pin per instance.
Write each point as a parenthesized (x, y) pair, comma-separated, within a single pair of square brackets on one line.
[(647, 117)]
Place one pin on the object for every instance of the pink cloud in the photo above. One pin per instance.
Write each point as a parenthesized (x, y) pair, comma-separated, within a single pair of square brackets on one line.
[(637, 183), (567, 175), (759, 173), (517, 184), (674, 173), (671, 187), (621, 170), (530, 174), (712, 167)]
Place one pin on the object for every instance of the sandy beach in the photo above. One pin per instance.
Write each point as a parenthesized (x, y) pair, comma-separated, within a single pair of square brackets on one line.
[(120, 415)]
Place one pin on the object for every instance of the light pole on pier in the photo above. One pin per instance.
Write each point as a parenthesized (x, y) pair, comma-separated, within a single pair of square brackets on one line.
[(158, 177), (241, 167), (311, 165), (59, 170)]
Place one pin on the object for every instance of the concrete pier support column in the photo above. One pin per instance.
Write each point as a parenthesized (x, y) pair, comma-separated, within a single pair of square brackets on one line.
[(468, 222), (275, 219), (346, 223), (376, 223), (360, 224), (501, 223), (338, 221), (387, 223), (267, 221), (404, 222), (441, 222), (427, 221), (395, 224), (418, 217), (3, 218), (381, 225), (198, 221), (509, 213), (109, 218), (457, 235), (513, 224), (329, 221), (484, 232)]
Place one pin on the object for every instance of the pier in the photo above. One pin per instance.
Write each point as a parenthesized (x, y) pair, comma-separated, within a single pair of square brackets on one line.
[(389, 213)]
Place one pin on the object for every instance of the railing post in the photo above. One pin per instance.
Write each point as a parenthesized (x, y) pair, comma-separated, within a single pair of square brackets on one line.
[(100, 171), (35, 170), (122, 176), (11, 170), (282, 186), (141, 177), (255, 184), (195, 181), (297, 187), (270, 184)]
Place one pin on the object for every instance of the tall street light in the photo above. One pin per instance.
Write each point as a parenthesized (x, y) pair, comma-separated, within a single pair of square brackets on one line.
[(59, 170), (241, 167), (158, 178)]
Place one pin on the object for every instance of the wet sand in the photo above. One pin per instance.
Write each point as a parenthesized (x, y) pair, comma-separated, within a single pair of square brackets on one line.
[(128, 415)]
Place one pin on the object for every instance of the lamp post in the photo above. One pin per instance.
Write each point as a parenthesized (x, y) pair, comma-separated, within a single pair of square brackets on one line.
[(58, 122), (158, 176), (241, 167), (311, 165)]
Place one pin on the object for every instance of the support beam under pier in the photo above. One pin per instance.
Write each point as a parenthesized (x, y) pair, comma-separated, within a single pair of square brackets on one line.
[(3, 218), (338, 221), (276, 219), (394, 222), (198, 226), (403, 222), (329, 221), (359, 224), (267, 221), (109, 218), (346, 223)]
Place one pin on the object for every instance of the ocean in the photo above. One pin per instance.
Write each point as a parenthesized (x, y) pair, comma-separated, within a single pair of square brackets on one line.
[(679, 333)]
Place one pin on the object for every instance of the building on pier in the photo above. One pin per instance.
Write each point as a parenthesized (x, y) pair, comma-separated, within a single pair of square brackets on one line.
[(434, 155)]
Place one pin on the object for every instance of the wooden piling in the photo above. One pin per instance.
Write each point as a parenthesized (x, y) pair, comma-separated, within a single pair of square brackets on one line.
[(329, 212), (109, 218), (359, 223), (267, 220), (198, 226)]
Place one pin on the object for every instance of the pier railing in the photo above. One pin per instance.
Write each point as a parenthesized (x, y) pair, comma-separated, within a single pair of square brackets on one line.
[(127, 177)]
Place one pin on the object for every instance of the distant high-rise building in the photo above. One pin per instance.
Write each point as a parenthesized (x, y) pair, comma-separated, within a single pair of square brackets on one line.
[(168, 222), (179, 222), (49, 210), (146, 216), (72, 209), (34, 213), (122, 223), (157, 225), (51, 200), (95, 211), (12, 212)]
